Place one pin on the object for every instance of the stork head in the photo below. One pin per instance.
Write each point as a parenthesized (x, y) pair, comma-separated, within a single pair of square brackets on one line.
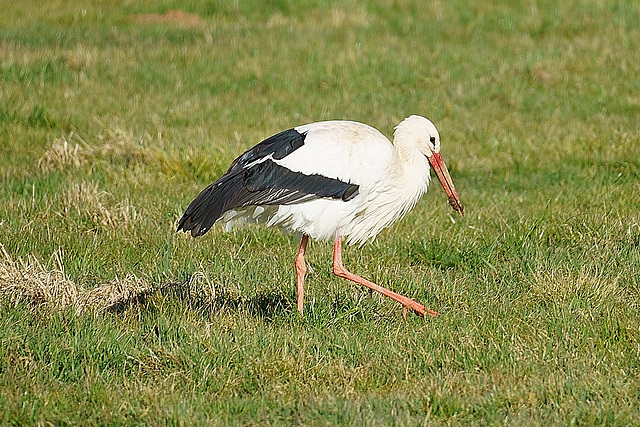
[(420, 133)]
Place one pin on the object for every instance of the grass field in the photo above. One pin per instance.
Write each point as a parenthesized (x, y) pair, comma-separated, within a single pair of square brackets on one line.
[(113, 115)]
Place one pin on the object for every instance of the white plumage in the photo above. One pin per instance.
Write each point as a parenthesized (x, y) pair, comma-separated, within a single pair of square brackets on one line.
[(328, 180)]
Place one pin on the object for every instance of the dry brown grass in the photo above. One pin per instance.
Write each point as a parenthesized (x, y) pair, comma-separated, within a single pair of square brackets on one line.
[(65, 151), (86, 199), (112, 145), (81, 57), (116, 144), (28, 281)]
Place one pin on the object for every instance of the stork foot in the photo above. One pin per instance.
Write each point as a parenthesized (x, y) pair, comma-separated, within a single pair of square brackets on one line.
[(419, 309), (340, 271)]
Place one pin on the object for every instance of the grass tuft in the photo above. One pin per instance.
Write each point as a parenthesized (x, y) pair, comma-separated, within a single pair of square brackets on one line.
[(98, 207), (61, 154)]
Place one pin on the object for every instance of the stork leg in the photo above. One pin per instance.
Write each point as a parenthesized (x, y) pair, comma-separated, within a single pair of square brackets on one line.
[(340, 271), (301, 270)]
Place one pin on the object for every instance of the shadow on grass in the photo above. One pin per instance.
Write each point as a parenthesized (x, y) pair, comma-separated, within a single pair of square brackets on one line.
[(208, 300)]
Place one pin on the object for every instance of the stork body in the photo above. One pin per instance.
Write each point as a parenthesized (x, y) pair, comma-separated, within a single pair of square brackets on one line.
[(329, 180)]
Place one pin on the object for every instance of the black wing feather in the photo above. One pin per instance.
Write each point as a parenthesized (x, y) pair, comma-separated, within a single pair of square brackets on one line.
[(279, 146), (254, 179)]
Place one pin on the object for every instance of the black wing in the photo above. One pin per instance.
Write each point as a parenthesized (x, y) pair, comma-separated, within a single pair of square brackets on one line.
[(254, 179)]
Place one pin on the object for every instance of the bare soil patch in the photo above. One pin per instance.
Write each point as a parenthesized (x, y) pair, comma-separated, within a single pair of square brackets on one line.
[(179, 17)]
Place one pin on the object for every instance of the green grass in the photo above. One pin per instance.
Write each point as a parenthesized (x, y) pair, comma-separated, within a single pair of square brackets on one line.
[(110, 126)]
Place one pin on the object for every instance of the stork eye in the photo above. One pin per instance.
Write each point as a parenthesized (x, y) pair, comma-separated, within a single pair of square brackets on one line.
[(432, 139)]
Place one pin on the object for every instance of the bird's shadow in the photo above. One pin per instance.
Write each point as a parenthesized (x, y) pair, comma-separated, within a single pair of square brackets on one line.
[(210, 300)]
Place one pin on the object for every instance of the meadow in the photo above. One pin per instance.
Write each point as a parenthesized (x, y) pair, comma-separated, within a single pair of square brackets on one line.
[(115, 114)]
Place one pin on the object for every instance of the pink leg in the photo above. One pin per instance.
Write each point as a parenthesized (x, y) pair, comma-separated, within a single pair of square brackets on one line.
[(301, 270), (340, 271)]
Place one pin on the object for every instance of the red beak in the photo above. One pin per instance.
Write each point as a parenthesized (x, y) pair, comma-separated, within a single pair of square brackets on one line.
[(442, 173)]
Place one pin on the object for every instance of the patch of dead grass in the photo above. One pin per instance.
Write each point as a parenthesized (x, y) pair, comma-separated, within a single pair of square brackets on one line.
[(63, 152), (27, 280), (116, 144), (81, 57), (99, 206), (113, 145)]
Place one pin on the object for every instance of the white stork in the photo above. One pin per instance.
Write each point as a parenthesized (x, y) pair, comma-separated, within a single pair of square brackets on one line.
[(330, 180)]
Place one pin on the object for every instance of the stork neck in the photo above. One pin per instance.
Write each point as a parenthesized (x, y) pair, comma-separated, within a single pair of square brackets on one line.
[(415, 172)]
